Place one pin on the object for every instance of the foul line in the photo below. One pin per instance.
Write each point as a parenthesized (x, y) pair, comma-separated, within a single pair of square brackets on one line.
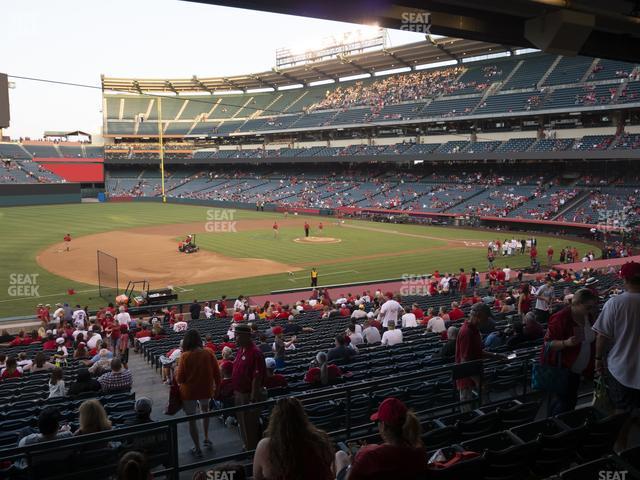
[(45, 296), (324, 275), (405, 234)]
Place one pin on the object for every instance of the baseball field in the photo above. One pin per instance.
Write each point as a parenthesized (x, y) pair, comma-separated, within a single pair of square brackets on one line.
[(239, 251)]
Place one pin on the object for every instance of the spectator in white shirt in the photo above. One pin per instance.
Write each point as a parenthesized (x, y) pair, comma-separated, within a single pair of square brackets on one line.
[(239, 303), (123, 318), (180, 326), (356, 338), (24, 364), (208, 311), (507, 273), (370, 333), (359, 312), (436, 325), (409, 320), (389, 311), (92, 339), (618, 329), (56, 383), (79, 317), (392, 336), (544, 298)]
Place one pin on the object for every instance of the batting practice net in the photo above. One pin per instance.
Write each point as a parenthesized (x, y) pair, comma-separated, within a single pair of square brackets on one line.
[(107, 276)]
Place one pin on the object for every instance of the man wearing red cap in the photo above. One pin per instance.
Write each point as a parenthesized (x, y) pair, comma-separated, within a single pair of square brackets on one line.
[(402, 453), (618, 329)]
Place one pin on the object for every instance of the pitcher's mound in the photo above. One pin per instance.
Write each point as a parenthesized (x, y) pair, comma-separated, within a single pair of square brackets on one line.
[(317, 240)]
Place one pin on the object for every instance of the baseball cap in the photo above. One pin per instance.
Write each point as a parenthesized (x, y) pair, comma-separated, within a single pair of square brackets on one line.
[(143, 405), (277, 330), (270, 362), (630, 271), (242, 328), (591, 281), (59, 340), (391, 411)]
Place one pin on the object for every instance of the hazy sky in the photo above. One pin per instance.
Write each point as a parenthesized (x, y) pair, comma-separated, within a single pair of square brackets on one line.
[(77, 40)]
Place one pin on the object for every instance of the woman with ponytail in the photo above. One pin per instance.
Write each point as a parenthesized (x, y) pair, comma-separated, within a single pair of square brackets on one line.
[(324, 374), (402, 454), (293, 449), (133, 466)]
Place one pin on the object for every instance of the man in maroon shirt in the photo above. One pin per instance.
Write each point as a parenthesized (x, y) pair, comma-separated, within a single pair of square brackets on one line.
[(455, 314), (463, 281), (550, 255), (469, 348), (248, 377)]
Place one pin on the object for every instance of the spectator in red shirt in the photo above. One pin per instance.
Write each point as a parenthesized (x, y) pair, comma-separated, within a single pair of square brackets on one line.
[(209, 343), (273, 380), (249, 372), (226, 342), (16, 342), (533, 254), (570, 331), (455, 314), (463, 281), (238, 316), (417, 311), (401, 456), (501, 276), (324, 374), (50, 344), (469, 348), (550, 255), (224, 394), (11, 369)]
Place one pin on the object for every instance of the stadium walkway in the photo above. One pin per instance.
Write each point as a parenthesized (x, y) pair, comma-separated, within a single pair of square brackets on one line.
[(147, 383), (396, 286)]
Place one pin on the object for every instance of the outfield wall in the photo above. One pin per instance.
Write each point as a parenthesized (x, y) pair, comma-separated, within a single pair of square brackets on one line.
[(39, 194)]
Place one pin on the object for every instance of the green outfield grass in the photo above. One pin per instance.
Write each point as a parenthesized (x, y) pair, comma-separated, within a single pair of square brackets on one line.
[(368, 251)]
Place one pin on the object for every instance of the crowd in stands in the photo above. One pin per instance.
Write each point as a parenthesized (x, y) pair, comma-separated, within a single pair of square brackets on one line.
[(233, 371), (392, 89)]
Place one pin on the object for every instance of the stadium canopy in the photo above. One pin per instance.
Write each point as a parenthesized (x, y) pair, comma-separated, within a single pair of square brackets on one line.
[(48, 134), (595, 28), (405, 56)]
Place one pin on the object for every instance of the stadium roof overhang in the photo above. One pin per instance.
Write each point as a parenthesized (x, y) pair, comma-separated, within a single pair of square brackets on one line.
[(409, 55), (596, 28)]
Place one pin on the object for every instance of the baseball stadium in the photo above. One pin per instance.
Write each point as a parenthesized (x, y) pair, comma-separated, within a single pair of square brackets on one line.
[(409, 251)]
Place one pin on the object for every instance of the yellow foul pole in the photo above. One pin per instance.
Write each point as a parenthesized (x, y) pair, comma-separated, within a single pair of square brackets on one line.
[(164, 197)]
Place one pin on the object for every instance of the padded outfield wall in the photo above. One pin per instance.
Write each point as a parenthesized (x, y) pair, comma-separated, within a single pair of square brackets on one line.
[(39, 194)]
